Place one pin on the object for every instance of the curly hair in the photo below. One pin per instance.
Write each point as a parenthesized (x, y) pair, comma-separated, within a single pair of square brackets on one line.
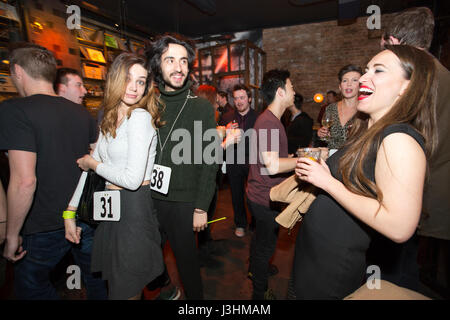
[(160, 46)]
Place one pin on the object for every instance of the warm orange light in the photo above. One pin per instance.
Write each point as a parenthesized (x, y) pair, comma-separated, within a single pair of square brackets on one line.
[(318, 97), (38, 25), (5, 61), (89, 5), (222, 61)]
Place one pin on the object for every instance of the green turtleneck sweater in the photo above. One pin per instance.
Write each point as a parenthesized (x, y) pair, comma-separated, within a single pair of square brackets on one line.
[(193, 180)]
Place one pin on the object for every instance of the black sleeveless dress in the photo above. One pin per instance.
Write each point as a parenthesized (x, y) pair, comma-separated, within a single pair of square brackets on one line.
[(331, 246)]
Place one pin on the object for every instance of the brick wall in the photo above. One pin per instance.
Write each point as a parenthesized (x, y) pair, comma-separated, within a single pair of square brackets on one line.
[(314, 53)]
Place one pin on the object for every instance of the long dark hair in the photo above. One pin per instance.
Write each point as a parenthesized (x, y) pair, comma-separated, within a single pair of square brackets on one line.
[(416, 107), (160, 45)]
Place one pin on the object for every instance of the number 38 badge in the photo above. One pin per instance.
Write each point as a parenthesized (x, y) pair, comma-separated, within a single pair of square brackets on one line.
[(160, 179), (107, 205)]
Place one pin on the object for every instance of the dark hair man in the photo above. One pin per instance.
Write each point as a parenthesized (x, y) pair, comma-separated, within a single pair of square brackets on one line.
[(68, 84), (331, 96), (300, 129), (414, 27), (244, 117), (183, 208), (44, 135), (222, 100), (270, 145)]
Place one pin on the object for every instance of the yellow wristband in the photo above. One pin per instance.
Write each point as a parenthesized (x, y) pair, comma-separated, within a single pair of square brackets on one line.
[(68, 214)]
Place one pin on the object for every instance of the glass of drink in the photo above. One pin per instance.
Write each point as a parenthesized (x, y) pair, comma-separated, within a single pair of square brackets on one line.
[(327, 121), (311, 153)]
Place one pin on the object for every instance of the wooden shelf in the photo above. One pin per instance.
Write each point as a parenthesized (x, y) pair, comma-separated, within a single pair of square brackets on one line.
[(92, 79), (114, 49), (92, 61), (90, 43), (89, 96)]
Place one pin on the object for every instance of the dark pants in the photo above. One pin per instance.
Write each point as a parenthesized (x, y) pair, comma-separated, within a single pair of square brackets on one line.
[(237, 177), (204, 236), (176, 223), (262, 246), (44, 251)]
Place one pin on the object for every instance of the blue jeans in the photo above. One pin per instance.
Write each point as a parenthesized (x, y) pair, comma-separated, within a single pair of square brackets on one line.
[(44, 251)]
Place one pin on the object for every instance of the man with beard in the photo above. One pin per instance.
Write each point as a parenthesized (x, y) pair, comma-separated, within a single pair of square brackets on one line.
[(183, 183), (237, 170)]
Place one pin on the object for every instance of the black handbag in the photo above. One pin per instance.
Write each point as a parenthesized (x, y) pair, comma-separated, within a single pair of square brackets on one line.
[(85, 210)]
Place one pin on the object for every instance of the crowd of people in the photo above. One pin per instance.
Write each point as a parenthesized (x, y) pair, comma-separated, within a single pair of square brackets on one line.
[(384, 184)]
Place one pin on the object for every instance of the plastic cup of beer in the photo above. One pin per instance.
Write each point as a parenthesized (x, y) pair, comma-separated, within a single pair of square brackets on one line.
[(311, 153), (324, 153)]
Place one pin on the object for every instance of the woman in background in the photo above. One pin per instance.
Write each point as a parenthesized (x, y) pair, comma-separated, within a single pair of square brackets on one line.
[(342, 112)]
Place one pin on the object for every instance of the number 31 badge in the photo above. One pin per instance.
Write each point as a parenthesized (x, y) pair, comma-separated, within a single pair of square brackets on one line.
[(160, 179), (107, 205)]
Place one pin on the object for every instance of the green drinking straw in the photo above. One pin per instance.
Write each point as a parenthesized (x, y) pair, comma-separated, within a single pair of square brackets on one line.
[(217, 220)]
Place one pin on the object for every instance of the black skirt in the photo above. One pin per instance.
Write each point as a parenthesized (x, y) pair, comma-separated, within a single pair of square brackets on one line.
[(128, 252)]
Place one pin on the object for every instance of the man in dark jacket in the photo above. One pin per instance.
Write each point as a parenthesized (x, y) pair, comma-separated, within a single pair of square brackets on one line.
[(243, 117), (300, 128)]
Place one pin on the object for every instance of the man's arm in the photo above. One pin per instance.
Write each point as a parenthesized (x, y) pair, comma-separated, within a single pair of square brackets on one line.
[(274, 164), (22, 185)]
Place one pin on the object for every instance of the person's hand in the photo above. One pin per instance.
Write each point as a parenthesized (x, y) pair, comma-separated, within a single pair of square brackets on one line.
[(200, 220), (73, 233), (234, 135), (13, 249), (318, 174), (232, 125), (323, 132), (86, 162)]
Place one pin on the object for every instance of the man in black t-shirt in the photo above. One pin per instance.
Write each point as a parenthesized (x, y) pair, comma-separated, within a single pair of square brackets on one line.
[(44, 135)]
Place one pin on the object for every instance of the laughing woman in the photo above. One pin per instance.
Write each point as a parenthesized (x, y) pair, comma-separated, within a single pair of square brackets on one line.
[(373, 185), (128, 251)]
